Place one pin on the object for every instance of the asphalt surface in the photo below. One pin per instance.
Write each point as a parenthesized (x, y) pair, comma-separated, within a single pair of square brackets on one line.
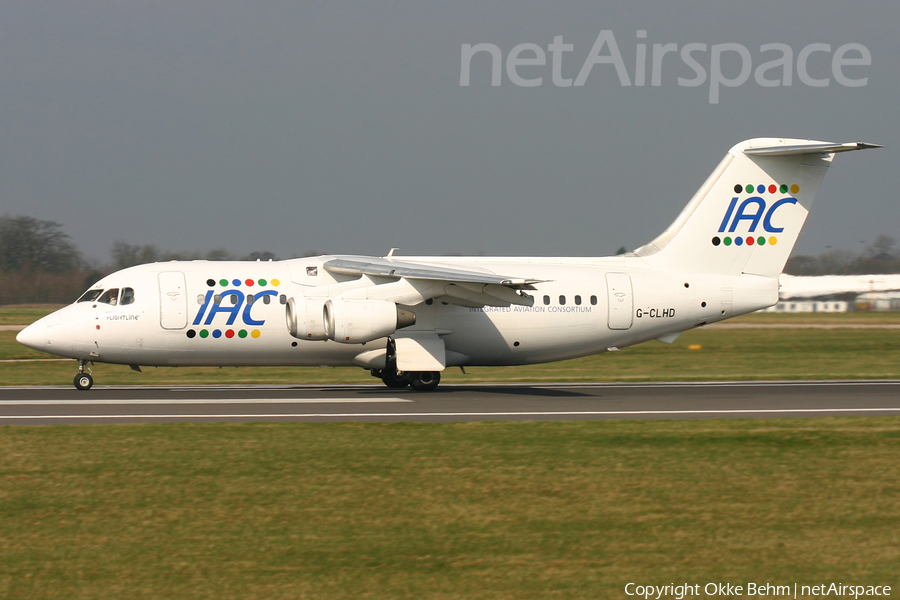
[(495, 402)]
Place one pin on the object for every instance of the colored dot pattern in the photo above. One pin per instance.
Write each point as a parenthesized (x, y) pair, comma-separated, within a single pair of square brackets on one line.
[(246, 282), (748, 240), (227, 334), (762, 188)]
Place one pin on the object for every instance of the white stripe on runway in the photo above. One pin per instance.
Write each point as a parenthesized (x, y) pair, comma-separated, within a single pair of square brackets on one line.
[(139, 401), (580, 413)]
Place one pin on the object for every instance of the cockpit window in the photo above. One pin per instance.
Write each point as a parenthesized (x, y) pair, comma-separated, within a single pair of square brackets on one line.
[(90, 295), (110, 297)]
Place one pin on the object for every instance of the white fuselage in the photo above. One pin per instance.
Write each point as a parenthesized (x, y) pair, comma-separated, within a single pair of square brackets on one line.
[(200, 313)]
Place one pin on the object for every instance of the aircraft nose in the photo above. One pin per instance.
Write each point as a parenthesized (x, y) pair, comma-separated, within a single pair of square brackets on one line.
[(34, 336)]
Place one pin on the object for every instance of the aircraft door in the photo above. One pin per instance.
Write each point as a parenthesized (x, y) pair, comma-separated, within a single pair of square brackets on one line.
[(173, 304), (620, 300)]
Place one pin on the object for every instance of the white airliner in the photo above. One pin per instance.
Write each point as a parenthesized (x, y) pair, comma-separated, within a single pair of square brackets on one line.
[(407, 319)]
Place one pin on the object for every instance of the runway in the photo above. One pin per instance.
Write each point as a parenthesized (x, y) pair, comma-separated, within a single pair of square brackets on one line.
[(449, 403)]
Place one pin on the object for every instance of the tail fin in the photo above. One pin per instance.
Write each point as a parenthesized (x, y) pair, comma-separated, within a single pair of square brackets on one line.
[(748, 214)]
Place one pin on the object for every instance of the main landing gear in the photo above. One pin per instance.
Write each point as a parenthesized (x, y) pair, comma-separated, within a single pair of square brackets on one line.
[(421, 381), (83, 381)]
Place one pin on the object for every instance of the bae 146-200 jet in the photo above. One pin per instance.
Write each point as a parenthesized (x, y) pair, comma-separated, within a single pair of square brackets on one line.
[(407, 319)]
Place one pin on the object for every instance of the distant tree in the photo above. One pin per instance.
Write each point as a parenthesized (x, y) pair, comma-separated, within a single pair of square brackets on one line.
[(91, 277), (622, 250), (219, 254), (882, 248), (836, 262), (182, 255), (802, 265), (260, 256), (881, 256), (127, 255), (33, 245)]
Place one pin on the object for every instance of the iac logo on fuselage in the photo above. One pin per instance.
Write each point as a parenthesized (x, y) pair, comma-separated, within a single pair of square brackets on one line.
[(234, 303), (753, 212)]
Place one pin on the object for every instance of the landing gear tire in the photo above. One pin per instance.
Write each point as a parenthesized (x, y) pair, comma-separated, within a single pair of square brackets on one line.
[(424, 381), (83, 381), (392, 380)]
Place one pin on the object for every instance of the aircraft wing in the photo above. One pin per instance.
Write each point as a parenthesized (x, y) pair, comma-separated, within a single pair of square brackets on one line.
[(463, 287), (387, 267)]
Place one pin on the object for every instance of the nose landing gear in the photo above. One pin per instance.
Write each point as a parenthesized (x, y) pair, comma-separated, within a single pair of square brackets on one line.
[(83, 381)]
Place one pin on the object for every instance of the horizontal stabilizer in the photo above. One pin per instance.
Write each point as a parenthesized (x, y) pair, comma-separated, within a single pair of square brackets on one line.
[(810, 148)]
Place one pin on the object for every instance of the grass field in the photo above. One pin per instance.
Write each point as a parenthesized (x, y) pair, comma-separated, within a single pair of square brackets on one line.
[(24, 314), (475, 510), (466, 510)]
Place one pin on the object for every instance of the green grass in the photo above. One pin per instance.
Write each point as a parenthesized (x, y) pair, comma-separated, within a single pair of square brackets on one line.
[(474, 510), (864, 317), (470, 510), (23, 314)]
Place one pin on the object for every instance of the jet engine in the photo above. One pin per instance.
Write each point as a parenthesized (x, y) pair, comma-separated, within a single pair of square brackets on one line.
[(305, 318), (358, 321)]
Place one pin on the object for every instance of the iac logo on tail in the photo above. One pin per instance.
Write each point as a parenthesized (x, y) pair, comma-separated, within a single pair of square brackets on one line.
[(754, 210)]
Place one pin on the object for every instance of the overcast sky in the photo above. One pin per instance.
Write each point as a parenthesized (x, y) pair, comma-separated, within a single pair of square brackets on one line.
[(336, 127)]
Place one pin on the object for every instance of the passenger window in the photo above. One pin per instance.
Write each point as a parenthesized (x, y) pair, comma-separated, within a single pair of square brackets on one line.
[(110, 297), (250, 299), (578, 300), (282, 299), (201, 299), (267, 298), (90, 295), (234, 299), (127, 296), (546, 300), (593, 300), (562, 300), (217, 299)]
